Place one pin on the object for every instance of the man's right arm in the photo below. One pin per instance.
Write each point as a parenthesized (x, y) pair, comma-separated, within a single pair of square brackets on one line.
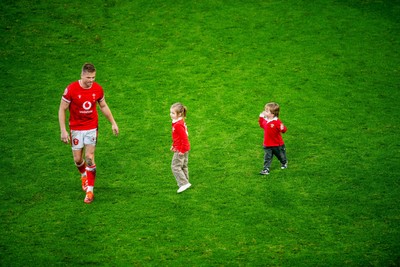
[(61, 118)]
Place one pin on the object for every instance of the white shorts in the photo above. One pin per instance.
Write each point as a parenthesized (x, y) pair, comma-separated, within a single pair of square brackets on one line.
[(81, 138)]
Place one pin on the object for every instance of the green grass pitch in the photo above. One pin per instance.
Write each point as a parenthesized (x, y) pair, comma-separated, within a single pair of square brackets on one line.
[(332, 65)]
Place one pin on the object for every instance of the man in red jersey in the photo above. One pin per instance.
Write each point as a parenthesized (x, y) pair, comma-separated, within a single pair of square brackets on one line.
[(80, 97)]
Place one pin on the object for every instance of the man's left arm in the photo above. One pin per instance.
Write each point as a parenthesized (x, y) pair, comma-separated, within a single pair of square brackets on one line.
[(107, 113)]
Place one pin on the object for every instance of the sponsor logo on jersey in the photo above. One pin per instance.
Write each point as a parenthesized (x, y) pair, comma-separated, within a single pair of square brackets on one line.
[(87, 105)]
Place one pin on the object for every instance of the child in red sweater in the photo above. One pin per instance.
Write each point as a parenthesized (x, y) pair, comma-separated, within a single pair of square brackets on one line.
[(273, 141), (180, 146)]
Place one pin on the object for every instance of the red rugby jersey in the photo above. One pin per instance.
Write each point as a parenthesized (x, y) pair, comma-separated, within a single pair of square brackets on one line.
[(82, 105), (272, 131)]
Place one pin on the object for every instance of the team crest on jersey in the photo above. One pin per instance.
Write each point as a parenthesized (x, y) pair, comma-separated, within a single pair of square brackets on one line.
[(272, 126)]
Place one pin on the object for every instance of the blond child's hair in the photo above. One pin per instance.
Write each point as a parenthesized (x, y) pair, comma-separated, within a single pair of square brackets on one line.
[(180, 109), (273, 108)]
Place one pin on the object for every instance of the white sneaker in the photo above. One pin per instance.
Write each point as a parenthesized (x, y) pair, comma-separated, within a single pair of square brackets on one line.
[(184, 187), (284, 166)]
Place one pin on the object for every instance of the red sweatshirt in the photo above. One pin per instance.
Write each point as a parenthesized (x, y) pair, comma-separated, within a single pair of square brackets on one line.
[(180, 137), (272, 131)]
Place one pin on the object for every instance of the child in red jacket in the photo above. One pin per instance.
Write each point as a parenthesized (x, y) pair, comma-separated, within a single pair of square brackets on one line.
[(180, 146), (273, 141)]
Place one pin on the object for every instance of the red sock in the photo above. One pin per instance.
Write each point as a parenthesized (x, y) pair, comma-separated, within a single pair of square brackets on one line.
[(91, 174), (81, 167)]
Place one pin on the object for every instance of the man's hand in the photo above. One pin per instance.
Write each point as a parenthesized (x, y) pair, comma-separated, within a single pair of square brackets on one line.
[(65, 137), (115, 129)]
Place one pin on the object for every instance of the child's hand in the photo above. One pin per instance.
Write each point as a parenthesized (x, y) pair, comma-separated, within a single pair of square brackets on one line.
[(282, 127), (173, 149), (262, 114)]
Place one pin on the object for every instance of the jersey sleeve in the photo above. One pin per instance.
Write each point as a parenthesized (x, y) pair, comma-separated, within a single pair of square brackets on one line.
[(278, 124), (284, 128), (262, 122), (67, 95), (101, 95)]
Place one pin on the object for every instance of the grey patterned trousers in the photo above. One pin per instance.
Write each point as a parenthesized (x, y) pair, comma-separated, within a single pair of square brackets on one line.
[(179, 166)]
